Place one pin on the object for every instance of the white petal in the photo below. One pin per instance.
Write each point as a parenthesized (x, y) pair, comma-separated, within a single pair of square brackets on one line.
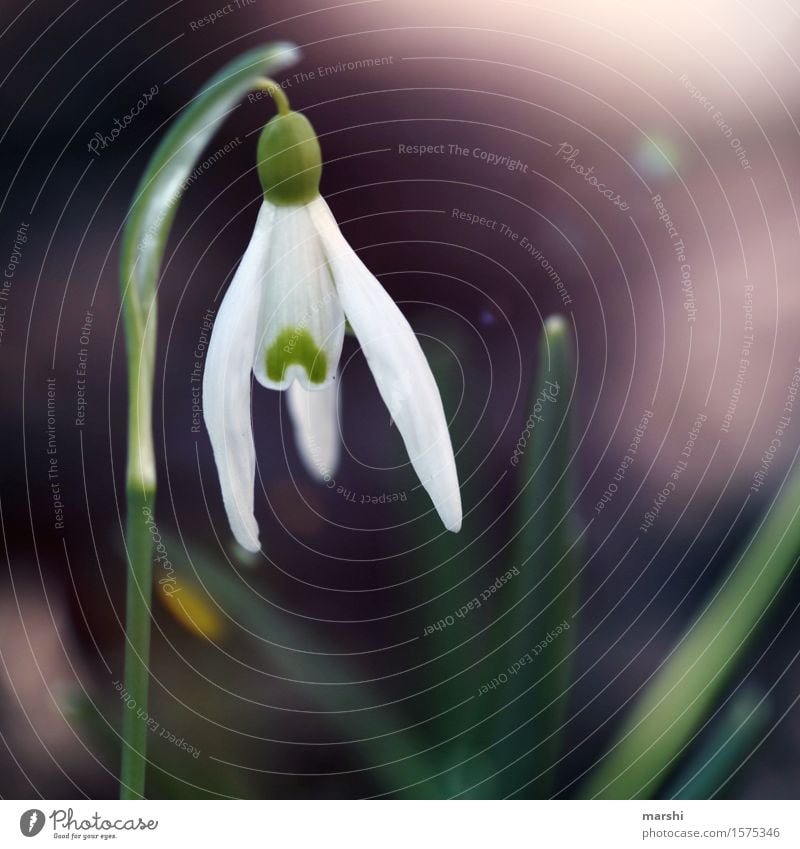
[(398, 365), (315, 416), (226, 384), (301, 324)]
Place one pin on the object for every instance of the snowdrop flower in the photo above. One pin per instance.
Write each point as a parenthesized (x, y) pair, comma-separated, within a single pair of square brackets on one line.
[(283, 319)]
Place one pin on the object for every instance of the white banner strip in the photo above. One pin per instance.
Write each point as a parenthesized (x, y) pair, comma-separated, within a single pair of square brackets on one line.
[(390, 824)]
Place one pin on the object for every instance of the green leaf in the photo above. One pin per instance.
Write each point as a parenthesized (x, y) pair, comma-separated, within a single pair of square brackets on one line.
[(731, 740), (542, 599), (682, 693)]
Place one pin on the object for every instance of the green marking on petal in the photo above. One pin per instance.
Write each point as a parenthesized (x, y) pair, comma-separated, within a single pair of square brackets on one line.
[(296, 346)]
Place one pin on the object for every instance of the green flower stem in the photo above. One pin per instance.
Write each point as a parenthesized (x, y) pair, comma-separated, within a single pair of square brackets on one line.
[(140, 495), (144, 241), (137, 645), (278, 95)]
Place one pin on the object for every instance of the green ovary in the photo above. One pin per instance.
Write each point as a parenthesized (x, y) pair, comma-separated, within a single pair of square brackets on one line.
[(296, 346)]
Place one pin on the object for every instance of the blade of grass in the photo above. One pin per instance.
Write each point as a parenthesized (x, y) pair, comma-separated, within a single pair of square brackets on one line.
[(143, 243), (682, 693), (733, 736), (541, 601)]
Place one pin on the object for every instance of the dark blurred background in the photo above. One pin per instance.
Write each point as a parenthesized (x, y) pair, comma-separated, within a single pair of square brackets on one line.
[(312, 677)]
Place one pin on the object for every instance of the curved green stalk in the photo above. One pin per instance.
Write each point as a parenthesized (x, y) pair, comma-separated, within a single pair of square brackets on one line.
[(144, 240)]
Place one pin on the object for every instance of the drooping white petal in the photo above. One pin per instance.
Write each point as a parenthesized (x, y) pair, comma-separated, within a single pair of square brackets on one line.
[(226, 384), (301, 324), (398, 365), (315, 416)]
